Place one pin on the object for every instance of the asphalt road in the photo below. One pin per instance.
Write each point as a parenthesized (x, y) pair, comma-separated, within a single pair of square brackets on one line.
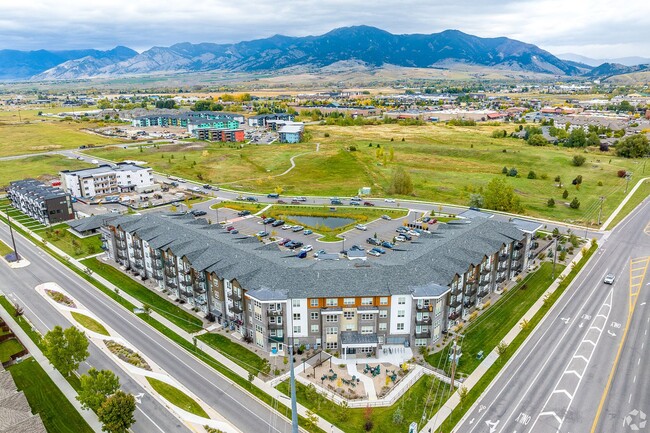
[(238, 407), (557, 380)]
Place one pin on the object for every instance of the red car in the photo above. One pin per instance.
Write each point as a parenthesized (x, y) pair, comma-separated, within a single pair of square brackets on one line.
[(284, 241), (282, 202), (229, 228), (367, 203)]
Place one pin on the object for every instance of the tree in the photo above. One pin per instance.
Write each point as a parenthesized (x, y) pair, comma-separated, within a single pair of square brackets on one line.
[(513, 172), (578, 160), (504, 170), (550, 202), (65, 349), (311, 420), (502, 348), (402, 183), (398, 416), (501, 196), (116, 413), (575, 203), (532, 175), (634, 146), (565, 194), (577, 180), (593, 139), (96, 386), (576, 138), (462, 395), (537, 140), (476, 200)]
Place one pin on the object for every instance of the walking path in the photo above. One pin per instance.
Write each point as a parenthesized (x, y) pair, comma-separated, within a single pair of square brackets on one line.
[(54, 374), (368, 383)]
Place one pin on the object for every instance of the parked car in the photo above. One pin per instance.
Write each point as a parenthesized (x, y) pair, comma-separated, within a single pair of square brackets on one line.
[(234, 231), (355, 198), (273, 195), (413, 233), (195, 189), (262, 234), (230, 228), (387, 244), (287, 227), (355, 203), (373, 241), (243, 213), (302, 254), (374, 253), (268, 220), (284, 241), (294, 201), (281, 202), (206, 186), (357, 248), (379, 250), (295, 244), (386, 217), (336, 201), (300, 199), (609, 279), (250, 198), (277, 223), (307, 248), (307, 232), (367, 203), (319, 252), (400, 238), (297, 228), (361, 227), (389, 200), (198, 212), (401, 229)]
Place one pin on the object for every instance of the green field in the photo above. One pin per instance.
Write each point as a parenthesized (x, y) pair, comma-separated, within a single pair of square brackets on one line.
[(422, 394), (177, 397), (8, 348), (89, 323), (446, 164), (640, 194), (239, 205), (40, 166), (160, 305), (5, 249), (487, 331), (77, 247), (236, 352), (45, 399)]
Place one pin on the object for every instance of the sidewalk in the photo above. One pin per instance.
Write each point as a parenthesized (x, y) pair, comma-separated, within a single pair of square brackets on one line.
[(240, 371), (443, 413), (623, 203), (57, 378)]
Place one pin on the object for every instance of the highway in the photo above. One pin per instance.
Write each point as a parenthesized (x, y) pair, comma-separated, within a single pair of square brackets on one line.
[(584, 369), (238, 407)]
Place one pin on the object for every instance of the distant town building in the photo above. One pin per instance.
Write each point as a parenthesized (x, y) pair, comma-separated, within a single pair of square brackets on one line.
[(291, 132), (46, 204), (261, 120), (107, 179)]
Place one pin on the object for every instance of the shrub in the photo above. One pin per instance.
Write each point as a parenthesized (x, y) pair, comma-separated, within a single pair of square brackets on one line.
[(600, 183), (513, 172), (575, 203), (550, 202), (578, 160), (327, 134), (532, 175), (505, 170), (621, 173), (565, 194)]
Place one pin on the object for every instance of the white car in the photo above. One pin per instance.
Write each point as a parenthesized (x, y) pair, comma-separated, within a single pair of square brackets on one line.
[(609, 279), (287, 227), (374, 253), (389, 200), (306, 248), (94, 161), (400, 238), (413, 233), (361, 227)]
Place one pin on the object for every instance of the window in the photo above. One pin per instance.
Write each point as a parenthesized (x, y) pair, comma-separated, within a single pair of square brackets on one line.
[(331, 318), (331, 330), (383, 314), (348, 301), (258, 316), (258, 328), (349, 327), (419, 342), (348, 315), (401, 300), (314, 316), (296, 316), (313, 302), (382, 327), (272, 332), (280, 333), (332, 302), (314, 329), (296, 329), (295, 303), (366, 301), (400, 313), (383, 300), (400, 326), (366, 316), (367, 329), (333, 345)]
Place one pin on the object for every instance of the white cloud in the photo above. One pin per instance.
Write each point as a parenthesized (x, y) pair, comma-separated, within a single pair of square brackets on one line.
[(589, 27)]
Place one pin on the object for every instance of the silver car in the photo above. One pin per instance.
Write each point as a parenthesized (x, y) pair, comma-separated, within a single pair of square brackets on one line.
[(609, 279)]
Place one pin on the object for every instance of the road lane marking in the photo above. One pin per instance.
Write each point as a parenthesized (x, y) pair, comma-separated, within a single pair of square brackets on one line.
[(632, 302)]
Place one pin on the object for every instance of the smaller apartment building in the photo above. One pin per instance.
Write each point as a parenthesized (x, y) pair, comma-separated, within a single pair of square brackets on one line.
[(46, 204), (107, 179), (406, 297), (224, 135), (291, 132)]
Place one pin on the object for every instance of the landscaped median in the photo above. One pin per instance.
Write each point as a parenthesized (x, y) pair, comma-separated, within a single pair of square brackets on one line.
[(477, 390), (177, 397)]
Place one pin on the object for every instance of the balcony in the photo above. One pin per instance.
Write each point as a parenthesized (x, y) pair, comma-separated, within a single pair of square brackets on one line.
[(275, 325), (455, 303), (518, 246), (484, 283), (454, 316), (423, 334), (274, 312), (425, 320), (170, 263), (276, 339), (121, 245), (138, 264), (423, 307), (187, 293), (170, 272), (501, 279), (456, 290), (236, 309), (235, 296), (172, 284), (470, 291), (502, 267), (156, 254), (121, 255), (485, 271), (157, 276), (201, 278), (137, 254), (185, 283), (157, 264), (483, 293), (503, 257)]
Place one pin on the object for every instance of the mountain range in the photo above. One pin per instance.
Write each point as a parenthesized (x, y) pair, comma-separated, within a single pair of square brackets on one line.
[(368, 45)]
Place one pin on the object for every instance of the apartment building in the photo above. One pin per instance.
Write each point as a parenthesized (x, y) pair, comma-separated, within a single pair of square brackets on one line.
[(46, 204), (107, 179), (291, 132), (407, 297), (225, 135), (190, 119)]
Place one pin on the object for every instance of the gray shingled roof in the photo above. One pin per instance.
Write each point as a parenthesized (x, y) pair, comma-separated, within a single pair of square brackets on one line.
[(90, 223), (433, 259)]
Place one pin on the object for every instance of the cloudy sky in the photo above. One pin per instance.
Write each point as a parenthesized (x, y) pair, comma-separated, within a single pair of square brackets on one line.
[(595, 28)]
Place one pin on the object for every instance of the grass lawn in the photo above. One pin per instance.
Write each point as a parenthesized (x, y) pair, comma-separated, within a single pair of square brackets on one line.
[(77, 247), (43, 134), (475, 393), (239, 205), (39, 167), (45, 399), (22, 322), (635, 200), (411, 404), (8, 348), (5, 249), (18, 216), (487, 331), (177, 397), (89, 323), (237, 353), (162, 306)]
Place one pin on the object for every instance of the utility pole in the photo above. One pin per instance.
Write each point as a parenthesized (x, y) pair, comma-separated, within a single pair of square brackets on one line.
[(600, 213), (453, 362), (13, 241), (554, 256), (628, 176)]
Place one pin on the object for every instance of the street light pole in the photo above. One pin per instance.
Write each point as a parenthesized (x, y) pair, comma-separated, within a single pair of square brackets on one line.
[(554, 256), (13, 241), (600, 213), (292, 377)]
